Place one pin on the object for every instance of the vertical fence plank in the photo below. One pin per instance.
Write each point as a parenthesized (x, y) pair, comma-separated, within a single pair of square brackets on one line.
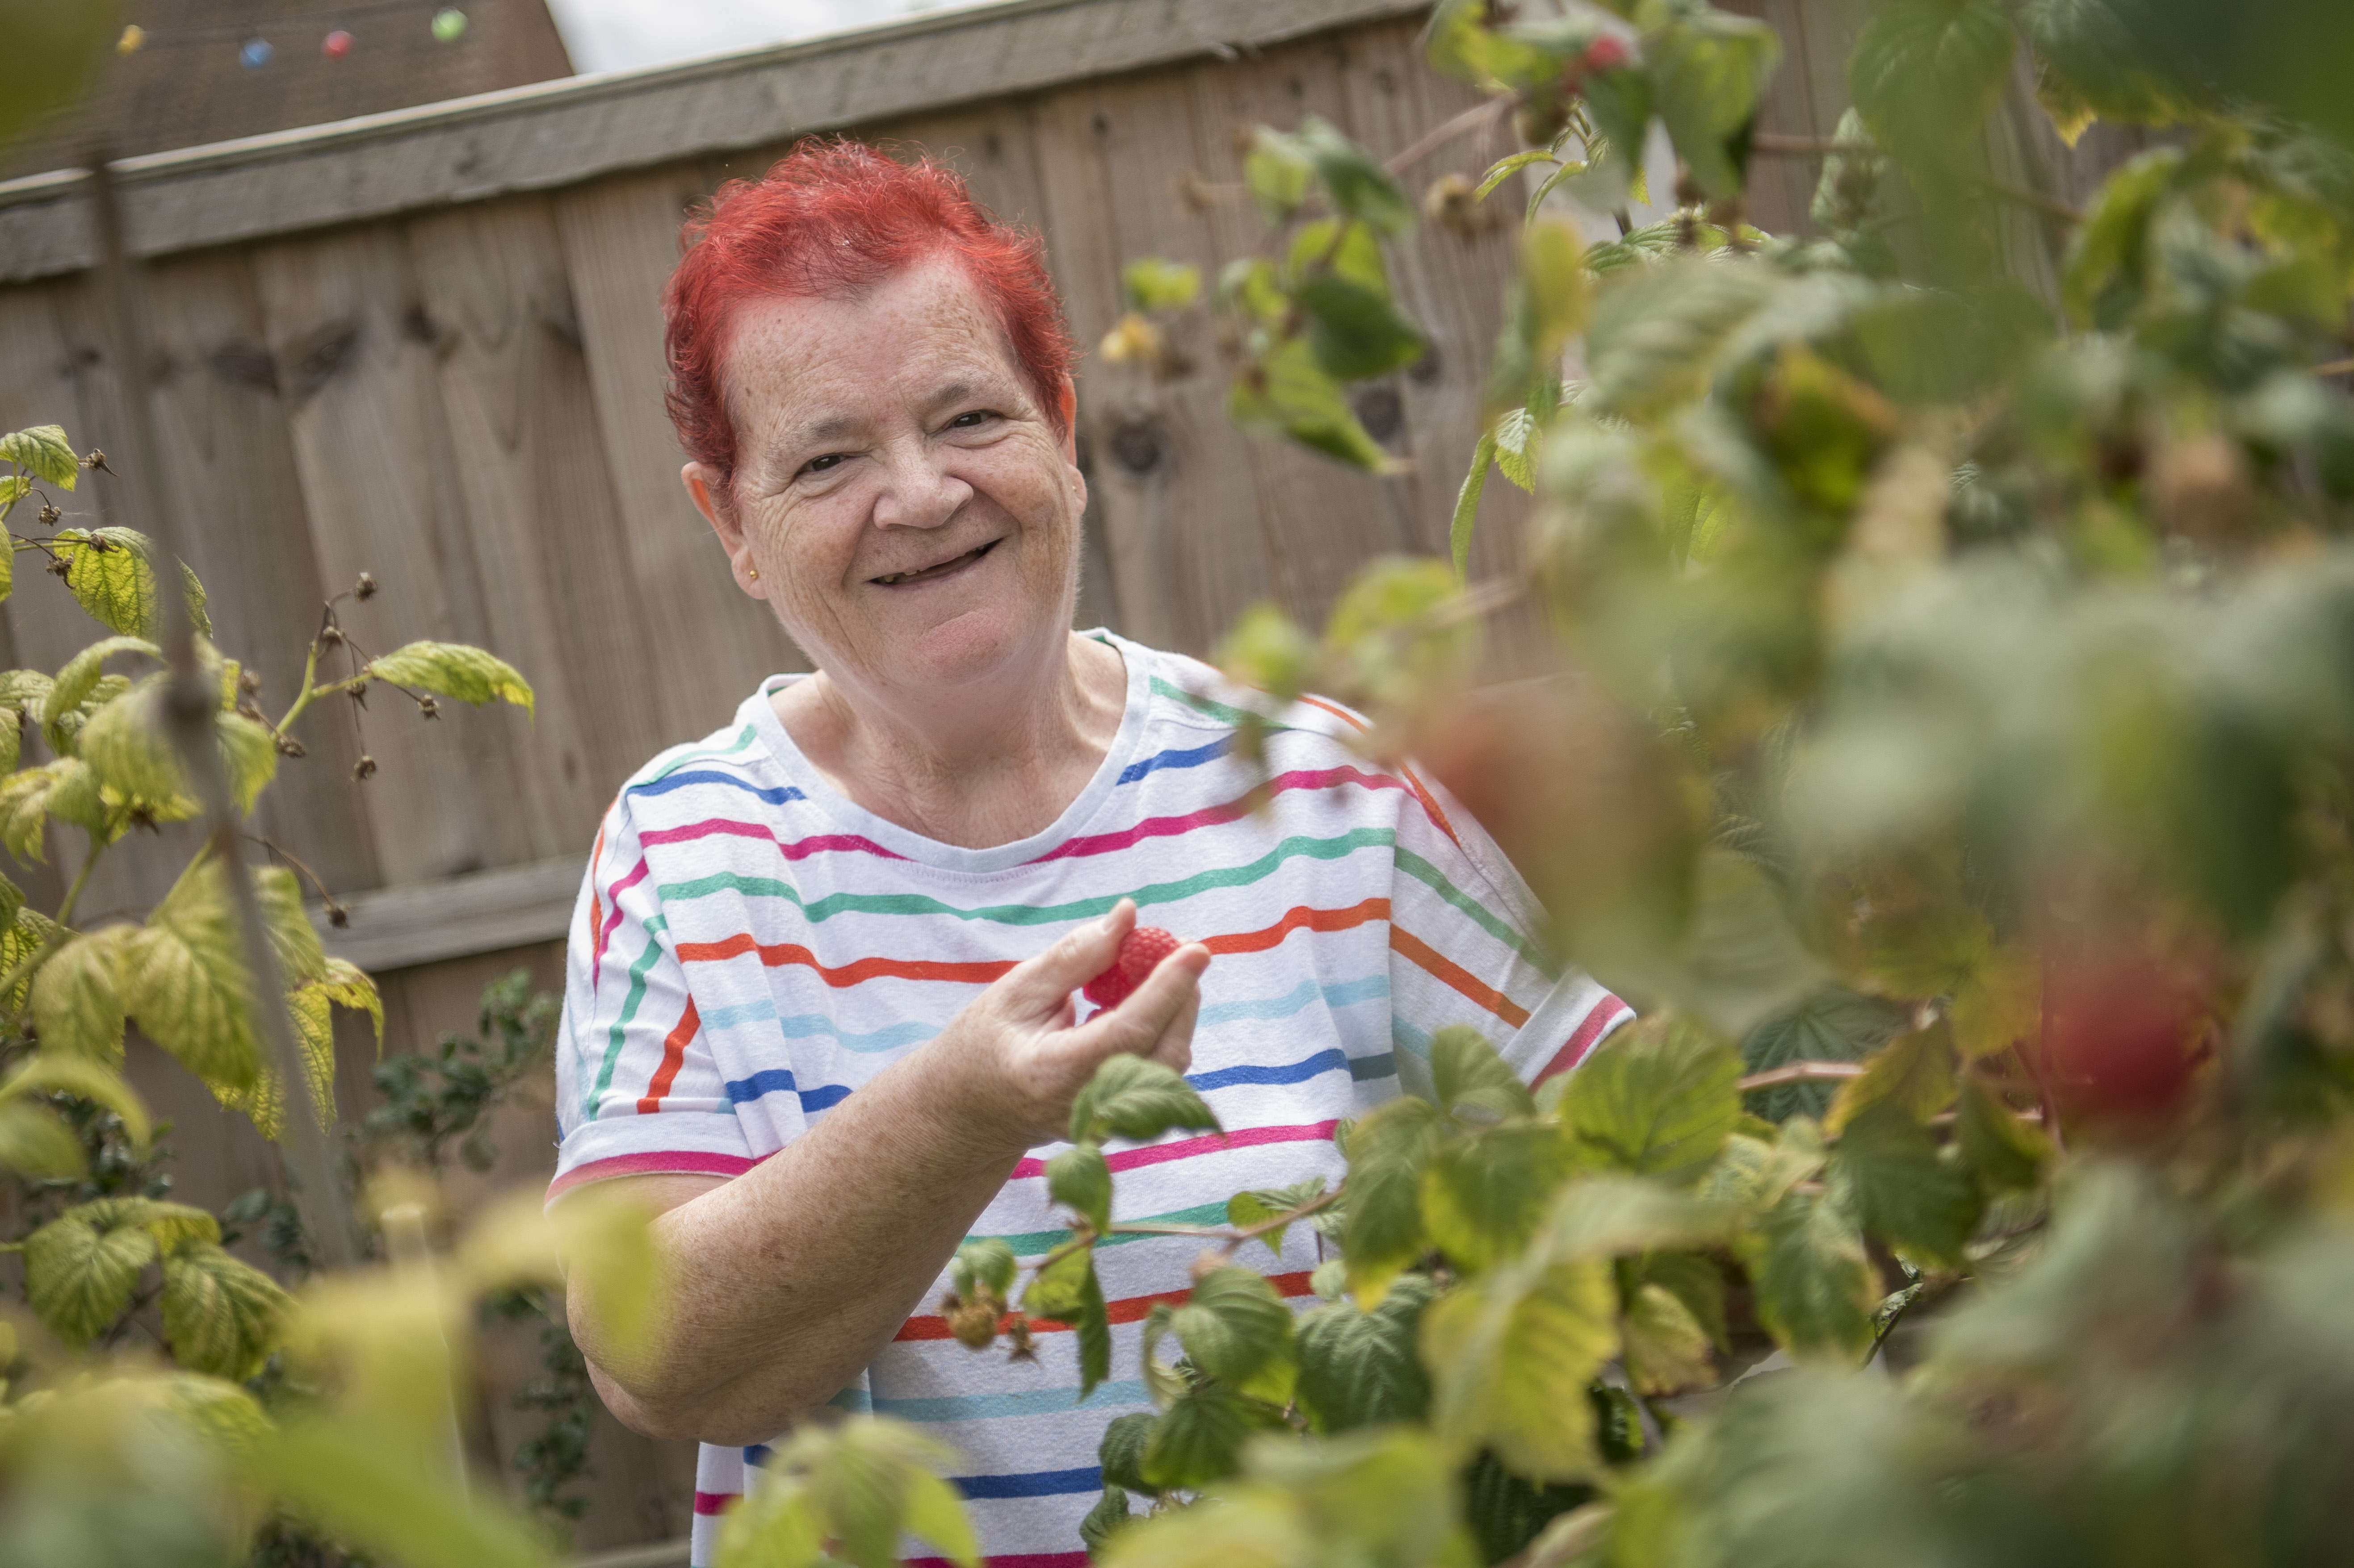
[(357, 353), (706, 642), (546, 530)]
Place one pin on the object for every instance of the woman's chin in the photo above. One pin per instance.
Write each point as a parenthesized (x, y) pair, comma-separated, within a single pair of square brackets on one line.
[(970, 645)]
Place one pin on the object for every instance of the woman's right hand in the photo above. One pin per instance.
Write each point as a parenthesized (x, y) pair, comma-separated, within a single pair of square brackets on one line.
[(1021, 1053)]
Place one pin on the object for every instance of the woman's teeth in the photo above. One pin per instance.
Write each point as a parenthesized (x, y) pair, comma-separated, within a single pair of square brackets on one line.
[(936, 567)]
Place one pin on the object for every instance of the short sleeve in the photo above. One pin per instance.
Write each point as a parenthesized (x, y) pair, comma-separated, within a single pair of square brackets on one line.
[(637, 1090), (1463, 951)]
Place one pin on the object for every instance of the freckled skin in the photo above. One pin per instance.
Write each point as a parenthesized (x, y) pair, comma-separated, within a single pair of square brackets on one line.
[(880, 434)]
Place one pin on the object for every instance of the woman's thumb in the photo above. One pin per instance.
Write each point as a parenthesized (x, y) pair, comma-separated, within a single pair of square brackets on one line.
[(1076, 958)]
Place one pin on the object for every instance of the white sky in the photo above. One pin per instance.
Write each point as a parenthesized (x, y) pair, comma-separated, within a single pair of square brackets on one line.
[(613, 35)]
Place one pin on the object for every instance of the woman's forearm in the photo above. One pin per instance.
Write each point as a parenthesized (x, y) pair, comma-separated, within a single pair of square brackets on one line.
[(785, 1281)]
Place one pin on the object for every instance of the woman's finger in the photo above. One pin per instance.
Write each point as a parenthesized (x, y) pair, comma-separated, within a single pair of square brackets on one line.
[(1136, 1027), (1037, 986)]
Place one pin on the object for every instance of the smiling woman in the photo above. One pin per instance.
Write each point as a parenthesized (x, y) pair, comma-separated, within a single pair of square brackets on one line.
[(821, 975)]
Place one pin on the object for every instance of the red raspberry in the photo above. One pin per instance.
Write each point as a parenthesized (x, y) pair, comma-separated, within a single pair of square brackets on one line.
[(1605, 53), (1140, 951)]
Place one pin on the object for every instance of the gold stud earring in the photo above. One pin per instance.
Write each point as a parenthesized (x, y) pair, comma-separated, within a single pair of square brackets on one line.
[(753, 573)]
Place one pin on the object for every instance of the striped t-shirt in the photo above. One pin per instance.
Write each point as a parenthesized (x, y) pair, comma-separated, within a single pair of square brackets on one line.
[(751, 947)]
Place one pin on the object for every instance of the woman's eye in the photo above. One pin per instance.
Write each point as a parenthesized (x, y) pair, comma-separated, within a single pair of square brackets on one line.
[(972, 419), (818, 465)]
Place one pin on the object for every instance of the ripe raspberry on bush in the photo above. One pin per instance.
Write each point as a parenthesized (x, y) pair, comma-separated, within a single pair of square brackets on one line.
[(1139, 951)]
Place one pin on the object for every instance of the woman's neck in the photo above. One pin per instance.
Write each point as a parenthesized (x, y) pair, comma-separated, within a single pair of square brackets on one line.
[(970, 767)]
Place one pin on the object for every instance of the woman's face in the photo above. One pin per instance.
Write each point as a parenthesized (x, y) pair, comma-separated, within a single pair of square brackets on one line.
[(912, 515)]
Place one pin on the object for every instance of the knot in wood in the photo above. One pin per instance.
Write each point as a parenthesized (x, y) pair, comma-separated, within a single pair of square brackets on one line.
[(1138, 447)]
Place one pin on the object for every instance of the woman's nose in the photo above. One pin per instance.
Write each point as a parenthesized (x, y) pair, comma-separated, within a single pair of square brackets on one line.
[(917, 489)]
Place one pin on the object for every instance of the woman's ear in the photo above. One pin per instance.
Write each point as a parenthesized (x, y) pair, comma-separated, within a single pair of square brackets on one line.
[(1067, 399), (705, 486)]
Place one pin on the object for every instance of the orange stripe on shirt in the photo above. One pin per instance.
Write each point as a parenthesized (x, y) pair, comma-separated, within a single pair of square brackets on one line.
[(1299, 917), (1448, 973), (674, 1055), (1429, 802), (1133, 1308)]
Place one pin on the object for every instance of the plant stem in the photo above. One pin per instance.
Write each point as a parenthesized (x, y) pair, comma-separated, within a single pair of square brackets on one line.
[(81, 880), (1801, 1073), (309, 693)]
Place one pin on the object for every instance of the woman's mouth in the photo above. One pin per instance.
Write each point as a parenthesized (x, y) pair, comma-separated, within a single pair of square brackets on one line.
[(932, 573)]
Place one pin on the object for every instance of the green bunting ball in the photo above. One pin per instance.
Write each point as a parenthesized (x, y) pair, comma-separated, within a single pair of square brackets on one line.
[(449, 24)]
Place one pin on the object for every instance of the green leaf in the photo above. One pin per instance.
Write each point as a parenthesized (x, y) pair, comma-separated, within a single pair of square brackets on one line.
[(1467, 505), (1134, 1098), (1153, 284), (2005, 1151), (1902, 1191), (452, 669), (1656, 333), (1121, 1453), (36, 1143), (1656, 1101), (1473, 1084), (24, 806), (221, 1316), (1698, 1283), (78, 995), (1707, 75), (346, 985), (113, 576), (1290, 394), (22, 937), (1815, 1288), (1278, 173), (1248, 1209), (377, 1495), (1354, 181), (184, 980), (1833, 1025), (1234, 1327), (294, 940), (1610, 1216), (1079, 1178), (81, 1268), (1199, 1438), (1510, 1357), (1925, 73), (2103, 279), (49, 1072), (1516, 441), (43, 453), (1915, 1073), (1354, 332), (1109, 1515), (315, 1036), (1360, 1369), (1482, 1197), (78, 679), (1388, 1152), (2095, 60), (1667, 1349), (1067, 1291)]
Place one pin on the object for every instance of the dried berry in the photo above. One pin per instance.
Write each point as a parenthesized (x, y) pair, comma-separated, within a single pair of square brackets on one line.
[(337, 915), (50, 515), (365, 768), (366, 587), (290, 746), (428, 707)]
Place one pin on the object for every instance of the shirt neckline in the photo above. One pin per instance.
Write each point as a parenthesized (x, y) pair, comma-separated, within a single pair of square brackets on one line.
[(1125, 743)]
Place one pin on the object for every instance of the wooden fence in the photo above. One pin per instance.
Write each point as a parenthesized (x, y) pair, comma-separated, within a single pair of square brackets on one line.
[(427, 346)]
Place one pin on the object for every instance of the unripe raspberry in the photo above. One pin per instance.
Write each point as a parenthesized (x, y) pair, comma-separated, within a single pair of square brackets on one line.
[(1140, 951)]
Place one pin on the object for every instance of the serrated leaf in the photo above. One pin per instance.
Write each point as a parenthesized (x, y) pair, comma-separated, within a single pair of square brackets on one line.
[(301, 957), (1121, 1452), (1516, 438), (1925, 73), (1698, 1283), (1199, 1438), (1387, 1154), (1915, 1073), (1510, 1358), (43, 452), (1290, 394), (37, 1144), (1482, 1197), (1471, 1082), (1834, 1024), (1656, 333), (1278, 174), (2001, 1146), (1356, 332), (1511, 163), (24, 806), (78, 995), (221, 1316), (381, 1499), (78, 1075), (347, 985), (113, 578), (1079, 1178), (1354, 181), (1362, 1369), (1656, 1102), (186, 984), (454, 670), (1707, 75), (1902, 1191), (1610, 1216), (1234, 1327), (81, 1268), (81, 674), (1467, 505), (19, 939), (1109, 1515), (1999, 1004), (1135, 1098), (989, 1263), (1067, 1291), (1667, 1349), (1814, 1286)]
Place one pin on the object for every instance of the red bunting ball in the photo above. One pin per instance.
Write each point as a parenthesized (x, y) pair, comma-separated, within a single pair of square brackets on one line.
[(336, 44)]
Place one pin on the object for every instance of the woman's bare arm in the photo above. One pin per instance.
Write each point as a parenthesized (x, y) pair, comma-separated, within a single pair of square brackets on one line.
[(787, 1279)]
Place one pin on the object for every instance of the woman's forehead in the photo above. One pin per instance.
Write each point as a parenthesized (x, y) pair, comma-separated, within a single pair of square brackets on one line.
[(924, 322)]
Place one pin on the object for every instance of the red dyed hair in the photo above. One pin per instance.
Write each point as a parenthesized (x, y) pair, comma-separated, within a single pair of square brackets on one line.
[(832, 218)]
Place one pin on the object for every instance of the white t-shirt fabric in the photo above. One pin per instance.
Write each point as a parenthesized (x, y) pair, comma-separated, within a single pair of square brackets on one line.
[(750, 947)]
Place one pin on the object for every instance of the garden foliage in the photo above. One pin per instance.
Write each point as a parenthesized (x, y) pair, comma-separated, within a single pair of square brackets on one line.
[(1944, 741)]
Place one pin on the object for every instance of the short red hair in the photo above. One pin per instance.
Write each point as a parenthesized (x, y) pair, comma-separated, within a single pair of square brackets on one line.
[(833, 217)]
